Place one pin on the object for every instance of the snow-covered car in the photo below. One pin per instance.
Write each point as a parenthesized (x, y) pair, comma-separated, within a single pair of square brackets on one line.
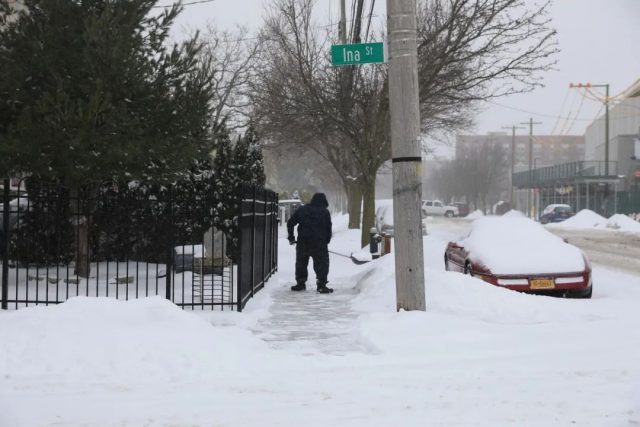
[(384, 217), (518, 253), (556, 213), (436, 207)]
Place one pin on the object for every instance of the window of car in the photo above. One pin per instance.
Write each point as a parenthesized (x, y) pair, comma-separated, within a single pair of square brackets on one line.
[(563, 209), (437, 204), (429, 204)]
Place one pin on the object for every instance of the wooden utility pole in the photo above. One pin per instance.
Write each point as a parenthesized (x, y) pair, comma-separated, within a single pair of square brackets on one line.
[(530, 198), (406, 154), (513, 159), (343, 22)]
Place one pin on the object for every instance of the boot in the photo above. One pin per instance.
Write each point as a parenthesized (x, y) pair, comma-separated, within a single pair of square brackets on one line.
[(322, 288), (299, 287)]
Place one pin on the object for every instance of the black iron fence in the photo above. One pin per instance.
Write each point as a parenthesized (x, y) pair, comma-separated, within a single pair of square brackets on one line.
[(198, 249)]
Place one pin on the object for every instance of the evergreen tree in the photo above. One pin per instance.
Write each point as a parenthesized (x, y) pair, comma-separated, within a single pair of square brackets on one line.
[(90, 92), (248, 158)]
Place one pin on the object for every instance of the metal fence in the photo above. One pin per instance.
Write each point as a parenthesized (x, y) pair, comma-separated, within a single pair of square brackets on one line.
[(126, 242)]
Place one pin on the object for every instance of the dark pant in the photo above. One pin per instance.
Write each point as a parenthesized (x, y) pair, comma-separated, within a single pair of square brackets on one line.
[(319, 252)]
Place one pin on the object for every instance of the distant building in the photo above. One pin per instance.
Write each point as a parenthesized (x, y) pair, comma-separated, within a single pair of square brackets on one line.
[(547, 150), (624, 128)]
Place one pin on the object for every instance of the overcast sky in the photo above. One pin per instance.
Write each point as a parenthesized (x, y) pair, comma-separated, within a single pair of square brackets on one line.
[(598, 40)]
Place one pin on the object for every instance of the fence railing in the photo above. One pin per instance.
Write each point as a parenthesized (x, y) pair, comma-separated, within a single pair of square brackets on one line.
[(565, 172), (130, 242)]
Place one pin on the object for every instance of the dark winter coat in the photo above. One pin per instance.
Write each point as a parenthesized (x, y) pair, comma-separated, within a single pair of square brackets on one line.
[(313, 220)]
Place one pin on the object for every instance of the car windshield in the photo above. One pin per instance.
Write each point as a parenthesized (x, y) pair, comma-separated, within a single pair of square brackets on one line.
[(563, 209)]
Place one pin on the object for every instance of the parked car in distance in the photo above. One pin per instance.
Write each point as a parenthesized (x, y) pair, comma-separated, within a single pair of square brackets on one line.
[(517, 253), (384, 217), (286, 208), (556, 213), (463, 208), (436, 207)]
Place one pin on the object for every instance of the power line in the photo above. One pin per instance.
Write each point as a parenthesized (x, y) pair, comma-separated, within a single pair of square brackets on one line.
[(548, 115), (184, 4)]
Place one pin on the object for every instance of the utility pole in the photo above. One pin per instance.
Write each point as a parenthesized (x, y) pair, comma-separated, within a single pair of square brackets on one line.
[(513, 159), (587, 86), (530, 198), (406, 154), (343, 22)]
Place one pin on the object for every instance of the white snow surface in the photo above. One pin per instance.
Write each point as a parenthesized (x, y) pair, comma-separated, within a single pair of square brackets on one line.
[(475, 214), (584, 219), (623, 223), (479, 356), (589, 219), (518, 245)]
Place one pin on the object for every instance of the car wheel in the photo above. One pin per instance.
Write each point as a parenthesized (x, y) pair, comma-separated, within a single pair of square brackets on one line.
[(448, 214), (582, 293)]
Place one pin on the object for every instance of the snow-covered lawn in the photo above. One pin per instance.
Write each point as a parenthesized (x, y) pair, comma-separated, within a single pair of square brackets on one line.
[(480, 356)]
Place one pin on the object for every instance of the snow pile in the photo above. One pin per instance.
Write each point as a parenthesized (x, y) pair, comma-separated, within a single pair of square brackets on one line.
[(589, 219), (114, 341), (475, 214), (623, 223), (517, 245), (362, 255), (584, 219), (514, 214), (457, 295)]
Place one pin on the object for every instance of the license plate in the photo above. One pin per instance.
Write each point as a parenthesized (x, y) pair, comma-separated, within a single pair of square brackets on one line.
[(542, 284)]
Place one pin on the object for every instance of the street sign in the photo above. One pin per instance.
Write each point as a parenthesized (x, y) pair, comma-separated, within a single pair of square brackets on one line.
[(356, 54)]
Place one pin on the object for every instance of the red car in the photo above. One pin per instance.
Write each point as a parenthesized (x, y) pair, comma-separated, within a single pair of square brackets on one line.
[(518, 253)]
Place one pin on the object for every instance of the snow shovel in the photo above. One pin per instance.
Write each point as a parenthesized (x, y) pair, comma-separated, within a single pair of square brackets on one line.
[(353, 258)]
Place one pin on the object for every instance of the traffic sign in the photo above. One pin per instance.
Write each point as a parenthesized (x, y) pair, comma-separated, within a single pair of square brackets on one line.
[(356, 54)]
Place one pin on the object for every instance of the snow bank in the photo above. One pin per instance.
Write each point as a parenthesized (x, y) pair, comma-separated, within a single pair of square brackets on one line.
[(583, 219), (475, 214), (514, 214), (623, 223), (115, 341), (589, 219)]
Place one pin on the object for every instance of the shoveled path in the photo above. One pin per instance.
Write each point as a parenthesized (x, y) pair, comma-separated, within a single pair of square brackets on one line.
[(311, 323)]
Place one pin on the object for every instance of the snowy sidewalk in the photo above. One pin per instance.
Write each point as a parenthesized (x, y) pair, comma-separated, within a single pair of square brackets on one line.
[(309, 322)]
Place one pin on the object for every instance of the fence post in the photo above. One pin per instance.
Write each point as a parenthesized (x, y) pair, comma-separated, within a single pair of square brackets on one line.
[(170, 248), (253, 241), (5, 243), (264, 239), (275, 233), (241, 248)]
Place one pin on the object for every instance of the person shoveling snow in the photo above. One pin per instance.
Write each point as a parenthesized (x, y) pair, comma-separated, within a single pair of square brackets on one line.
[(314, 234)]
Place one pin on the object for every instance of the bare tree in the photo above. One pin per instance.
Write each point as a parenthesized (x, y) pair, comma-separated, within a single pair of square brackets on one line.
[(233, 59), (468, 50), (478, 174)]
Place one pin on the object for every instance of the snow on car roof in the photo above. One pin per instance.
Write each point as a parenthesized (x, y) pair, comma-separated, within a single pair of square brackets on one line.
[(518, 245)]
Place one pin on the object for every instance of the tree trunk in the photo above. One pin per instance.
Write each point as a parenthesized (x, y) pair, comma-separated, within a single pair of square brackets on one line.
[(369, 211), (354, 204)]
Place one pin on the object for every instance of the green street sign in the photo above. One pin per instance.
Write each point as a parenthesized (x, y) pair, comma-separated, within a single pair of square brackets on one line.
[(355, 54)]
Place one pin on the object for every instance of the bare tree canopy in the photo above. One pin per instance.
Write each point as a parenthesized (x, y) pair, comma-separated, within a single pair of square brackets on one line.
[(468, 51), (478, 175)]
